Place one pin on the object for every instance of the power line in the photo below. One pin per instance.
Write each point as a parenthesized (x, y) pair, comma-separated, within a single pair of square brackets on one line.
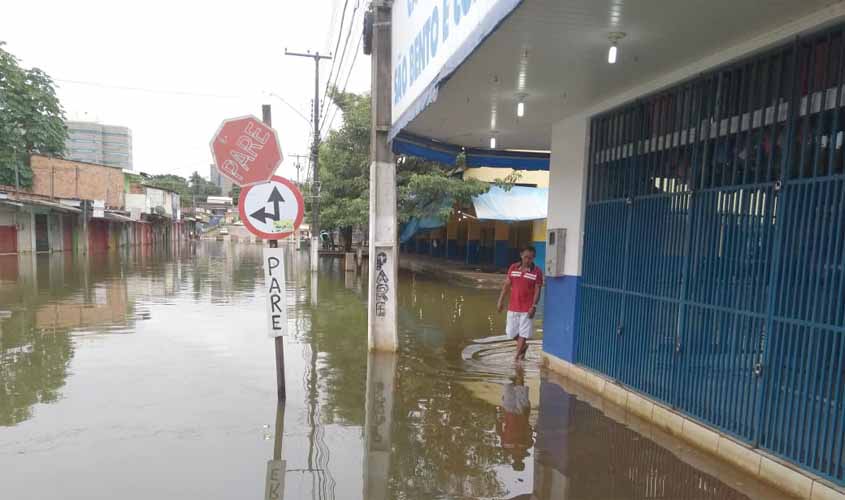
[(345, 83), (291, 106), (336, 45), (149, 90), (342, 57)]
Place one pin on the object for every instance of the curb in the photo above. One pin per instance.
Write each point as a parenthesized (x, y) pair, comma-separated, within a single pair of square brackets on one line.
[(755, 462)]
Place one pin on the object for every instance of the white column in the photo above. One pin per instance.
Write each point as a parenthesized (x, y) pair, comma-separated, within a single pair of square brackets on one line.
[(567, 186), (383, 268), (567, 202)]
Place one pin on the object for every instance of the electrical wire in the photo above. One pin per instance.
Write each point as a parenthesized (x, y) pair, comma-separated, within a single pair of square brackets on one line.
[(336, 45), (342, 58), (345, 83), (149, 90)]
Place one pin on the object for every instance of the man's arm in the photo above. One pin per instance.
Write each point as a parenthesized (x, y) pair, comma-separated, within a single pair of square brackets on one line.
[(537, 290), (505, 289)]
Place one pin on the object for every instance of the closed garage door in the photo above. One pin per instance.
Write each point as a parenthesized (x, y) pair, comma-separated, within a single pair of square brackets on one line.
[(8, 239)]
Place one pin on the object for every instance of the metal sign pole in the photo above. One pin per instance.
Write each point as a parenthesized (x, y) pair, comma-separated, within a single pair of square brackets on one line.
[(266, 117)]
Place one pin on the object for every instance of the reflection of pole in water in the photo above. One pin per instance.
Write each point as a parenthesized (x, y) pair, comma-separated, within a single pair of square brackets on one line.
[(378, 422), (314, 298), (319, 455), (274, 488)]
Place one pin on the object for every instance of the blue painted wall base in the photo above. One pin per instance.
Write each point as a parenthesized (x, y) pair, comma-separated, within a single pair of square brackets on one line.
[(502, 254), (452, 249), (472, 252), (560, 317)]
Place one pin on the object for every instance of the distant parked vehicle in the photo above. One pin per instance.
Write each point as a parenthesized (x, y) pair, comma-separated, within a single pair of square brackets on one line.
[(239, 223), (224, 231)]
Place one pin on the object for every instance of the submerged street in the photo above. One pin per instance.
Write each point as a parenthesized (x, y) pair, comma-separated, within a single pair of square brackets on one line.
[(150, 375)]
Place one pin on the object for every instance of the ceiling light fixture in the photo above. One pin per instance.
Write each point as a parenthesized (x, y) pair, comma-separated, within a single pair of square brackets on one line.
[(614, 49), (520, 105)]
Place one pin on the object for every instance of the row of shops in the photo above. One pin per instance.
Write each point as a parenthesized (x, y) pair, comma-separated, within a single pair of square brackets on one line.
[(85, 208), (489, 234), (697, 180)]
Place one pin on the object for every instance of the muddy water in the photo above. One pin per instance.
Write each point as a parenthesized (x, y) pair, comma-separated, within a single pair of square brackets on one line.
[(149, 376)]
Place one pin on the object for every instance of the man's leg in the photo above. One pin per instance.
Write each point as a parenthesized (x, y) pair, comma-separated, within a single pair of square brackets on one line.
[(521, 346)]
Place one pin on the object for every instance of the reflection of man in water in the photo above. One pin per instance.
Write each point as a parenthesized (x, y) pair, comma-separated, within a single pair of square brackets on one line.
[(513, 427)]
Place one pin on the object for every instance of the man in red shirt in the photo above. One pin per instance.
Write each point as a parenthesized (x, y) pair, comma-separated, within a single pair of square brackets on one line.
[(524, 282)]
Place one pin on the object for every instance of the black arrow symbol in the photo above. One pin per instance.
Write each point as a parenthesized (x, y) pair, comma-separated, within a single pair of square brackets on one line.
[(275, 198)]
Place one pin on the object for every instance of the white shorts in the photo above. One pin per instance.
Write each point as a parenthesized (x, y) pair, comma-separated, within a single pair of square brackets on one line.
[(519, 324)]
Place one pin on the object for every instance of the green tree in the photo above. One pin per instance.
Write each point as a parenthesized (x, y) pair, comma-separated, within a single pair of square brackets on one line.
[(201, 189), (196, 189), (31, 119), (235, 193), (424, 188), (173, 183)]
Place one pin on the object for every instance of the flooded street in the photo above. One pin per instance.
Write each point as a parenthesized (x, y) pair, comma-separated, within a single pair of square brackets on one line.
[(150, 376)]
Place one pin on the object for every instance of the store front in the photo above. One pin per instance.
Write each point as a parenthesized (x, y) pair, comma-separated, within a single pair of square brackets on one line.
[(699, 180)]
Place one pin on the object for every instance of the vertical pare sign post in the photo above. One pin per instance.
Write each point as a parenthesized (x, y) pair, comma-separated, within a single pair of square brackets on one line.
[(274, 284)]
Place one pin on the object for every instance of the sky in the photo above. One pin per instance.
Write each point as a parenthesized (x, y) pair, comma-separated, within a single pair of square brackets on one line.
[(172, 70)]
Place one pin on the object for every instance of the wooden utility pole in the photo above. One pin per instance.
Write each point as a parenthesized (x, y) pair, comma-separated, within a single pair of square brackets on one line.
[(383, 270), (267, 118), (315, 153)]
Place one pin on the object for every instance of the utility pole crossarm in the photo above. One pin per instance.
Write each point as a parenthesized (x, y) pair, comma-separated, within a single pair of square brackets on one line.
[(313, 55)]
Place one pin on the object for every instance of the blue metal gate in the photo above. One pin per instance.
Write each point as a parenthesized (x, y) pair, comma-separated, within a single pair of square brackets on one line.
[(714, 263)]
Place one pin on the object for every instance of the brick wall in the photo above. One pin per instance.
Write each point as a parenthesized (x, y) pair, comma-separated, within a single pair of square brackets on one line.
[(57, 178)]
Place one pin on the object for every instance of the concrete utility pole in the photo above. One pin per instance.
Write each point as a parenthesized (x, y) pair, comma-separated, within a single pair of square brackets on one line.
[(315, 152), (383, 270), (267, 118)]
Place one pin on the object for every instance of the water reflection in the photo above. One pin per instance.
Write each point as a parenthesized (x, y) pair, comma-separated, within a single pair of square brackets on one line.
[(378, 425), (513, 426), (164, 354), (47, 299), (274, 488)]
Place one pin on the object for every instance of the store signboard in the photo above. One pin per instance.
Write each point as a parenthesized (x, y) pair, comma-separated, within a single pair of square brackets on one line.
[(430, 39)]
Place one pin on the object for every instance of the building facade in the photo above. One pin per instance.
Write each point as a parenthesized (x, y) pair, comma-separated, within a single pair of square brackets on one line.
[(218, 180), (698, 175), (100, 144), (85, 208)]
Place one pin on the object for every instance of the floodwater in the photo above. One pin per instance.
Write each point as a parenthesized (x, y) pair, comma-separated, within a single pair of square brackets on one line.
[(150, 376)]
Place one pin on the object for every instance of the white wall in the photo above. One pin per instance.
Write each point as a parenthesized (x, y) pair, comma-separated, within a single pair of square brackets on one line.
[(568, 174)]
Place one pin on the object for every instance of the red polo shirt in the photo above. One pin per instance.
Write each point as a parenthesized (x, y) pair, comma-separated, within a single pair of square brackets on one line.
[(523, 284)]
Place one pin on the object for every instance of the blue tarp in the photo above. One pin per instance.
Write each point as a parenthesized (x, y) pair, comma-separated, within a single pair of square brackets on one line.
[(414, 226), (420, 147), (442, 152), (518, 204)]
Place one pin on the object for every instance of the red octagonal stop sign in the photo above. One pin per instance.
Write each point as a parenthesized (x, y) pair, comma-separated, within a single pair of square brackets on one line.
[(246, 151)]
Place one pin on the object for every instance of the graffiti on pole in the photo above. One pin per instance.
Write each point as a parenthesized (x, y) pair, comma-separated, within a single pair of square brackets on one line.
[(382, 283)]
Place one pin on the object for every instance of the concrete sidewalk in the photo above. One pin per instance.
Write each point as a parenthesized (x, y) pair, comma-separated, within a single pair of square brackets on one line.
[(457, 272)]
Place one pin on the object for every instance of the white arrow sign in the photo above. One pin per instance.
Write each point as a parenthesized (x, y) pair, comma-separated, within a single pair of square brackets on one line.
[(272, 210)]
